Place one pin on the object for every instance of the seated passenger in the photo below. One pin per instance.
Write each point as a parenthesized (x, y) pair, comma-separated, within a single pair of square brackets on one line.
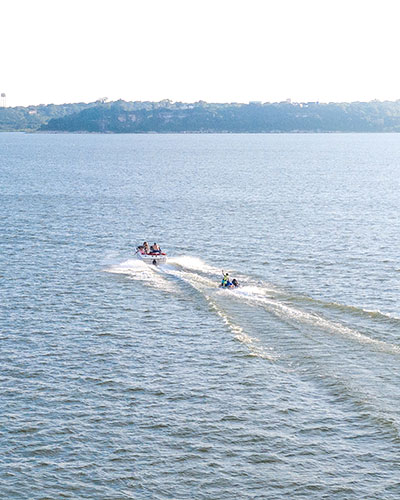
[(146, 247), (156, 248), (235, 282)]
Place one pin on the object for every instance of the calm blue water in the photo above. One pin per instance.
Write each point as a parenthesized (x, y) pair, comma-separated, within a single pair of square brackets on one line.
[(123, 381)]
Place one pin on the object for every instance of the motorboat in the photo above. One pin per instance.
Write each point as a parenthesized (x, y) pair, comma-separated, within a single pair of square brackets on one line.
[(154, 258)]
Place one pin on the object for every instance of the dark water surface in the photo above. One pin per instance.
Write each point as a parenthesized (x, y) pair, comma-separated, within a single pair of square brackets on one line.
[(124, 381)]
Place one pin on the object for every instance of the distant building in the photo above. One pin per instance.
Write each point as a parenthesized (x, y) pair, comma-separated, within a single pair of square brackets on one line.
[(3, 100)]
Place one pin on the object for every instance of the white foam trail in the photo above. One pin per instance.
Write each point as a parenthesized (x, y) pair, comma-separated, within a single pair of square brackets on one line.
[(381, 314), (140, 271), (190, 278), (193, 263), (252, 343), (152, 276), (255, 295), (202, 284), (354, 309)]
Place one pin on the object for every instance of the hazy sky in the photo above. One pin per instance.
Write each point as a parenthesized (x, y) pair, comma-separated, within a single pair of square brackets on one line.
[(189, 50)]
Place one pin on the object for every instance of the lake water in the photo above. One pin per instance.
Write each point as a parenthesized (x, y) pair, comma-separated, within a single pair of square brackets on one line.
[(121, 380)]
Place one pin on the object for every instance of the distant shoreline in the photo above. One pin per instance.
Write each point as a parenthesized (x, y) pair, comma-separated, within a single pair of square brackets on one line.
[(84, 132), (204, 118)]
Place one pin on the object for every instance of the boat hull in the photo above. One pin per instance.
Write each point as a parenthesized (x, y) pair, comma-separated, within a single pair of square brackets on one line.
[(154, 259)]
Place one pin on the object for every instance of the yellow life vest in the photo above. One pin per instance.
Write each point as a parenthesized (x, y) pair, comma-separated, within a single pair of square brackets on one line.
[(225, 279)]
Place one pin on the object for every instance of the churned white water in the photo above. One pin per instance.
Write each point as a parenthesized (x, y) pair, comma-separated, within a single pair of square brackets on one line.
[(125, 380)]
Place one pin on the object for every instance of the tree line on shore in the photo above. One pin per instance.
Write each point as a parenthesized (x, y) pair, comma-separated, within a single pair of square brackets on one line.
[(167, 116)]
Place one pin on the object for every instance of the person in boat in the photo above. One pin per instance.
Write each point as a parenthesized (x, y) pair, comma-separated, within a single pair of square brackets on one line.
[(155, 248), (146, 247), (235, 283)]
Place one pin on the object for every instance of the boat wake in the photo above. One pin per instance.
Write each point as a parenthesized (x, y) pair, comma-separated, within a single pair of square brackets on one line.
[(203, 279), (138, 270), (294, 315)]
